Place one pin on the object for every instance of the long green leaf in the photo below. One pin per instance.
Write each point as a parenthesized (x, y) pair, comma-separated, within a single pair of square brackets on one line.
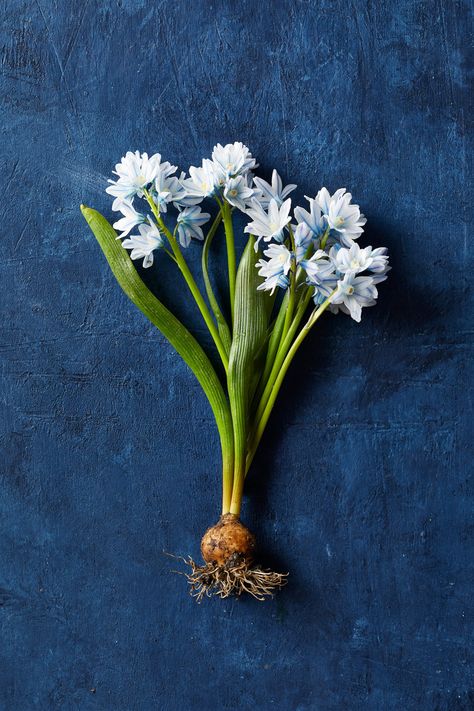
[(251, 316), (179, 337)]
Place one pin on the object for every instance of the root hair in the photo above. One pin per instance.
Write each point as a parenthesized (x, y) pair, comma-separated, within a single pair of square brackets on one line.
[(227, 580)]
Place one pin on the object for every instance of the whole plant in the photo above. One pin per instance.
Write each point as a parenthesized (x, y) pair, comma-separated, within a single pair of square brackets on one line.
[(295, 264)]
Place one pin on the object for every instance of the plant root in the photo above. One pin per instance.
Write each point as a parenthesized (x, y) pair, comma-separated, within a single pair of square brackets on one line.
[(232, 579)]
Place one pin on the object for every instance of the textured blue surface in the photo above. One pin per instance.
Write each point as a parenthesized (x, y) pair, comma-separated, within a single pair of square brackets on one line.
[(361, 488)]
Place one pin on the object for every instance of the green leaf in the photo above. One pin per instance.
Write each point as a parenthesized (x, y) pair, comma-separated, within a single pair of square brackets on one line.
[(252, 310), (179, 337)]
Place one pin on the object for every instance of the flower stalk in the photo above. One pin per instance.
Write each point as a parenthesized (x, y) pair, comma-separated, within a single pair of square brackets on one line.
[(264, 413), (230, 244), (222, 325), (190, 281)]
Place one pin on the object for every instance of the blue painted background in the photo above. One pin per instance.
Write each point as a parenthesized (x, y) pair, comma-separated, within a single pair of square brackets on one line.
[(361, 488)]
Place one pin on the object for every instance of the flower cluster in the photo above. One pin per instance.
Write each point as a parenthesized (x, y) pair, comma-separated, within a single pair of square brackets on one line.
[(140, 177), (320, 249), (317, 244), (226, 177)]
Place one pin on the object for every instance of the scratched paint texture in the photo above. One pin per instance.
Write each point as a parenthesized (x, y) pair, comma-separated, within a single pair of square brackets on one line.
[(109, 453)]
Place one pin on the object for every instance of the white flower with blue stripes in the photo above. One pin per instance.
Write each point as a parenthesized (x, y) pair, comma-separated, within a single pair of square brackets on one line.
[(379, 265), (203, 181), (324, 198), (318, 267), (314, 219), (130, 219), (232, 160), (353, 259), (353, 293), (189, 224), (275, 268), (237, 192), (136, 171), (321, 274), (345, 219), (166, 187), (357, 260), (144, 244), (303, 241), (273, 191), (268, 224)]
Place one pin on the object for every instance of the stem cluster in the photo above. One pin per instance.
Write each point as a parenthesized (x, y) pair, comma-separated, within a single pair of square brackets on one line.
[(251, 396)]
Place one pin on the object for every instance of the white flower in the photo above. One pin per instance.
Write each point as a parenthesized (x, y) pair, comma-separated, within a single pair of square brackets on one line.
[(166, 187), (314, 219), (181, 198), (319, 267), (379, 263), (275, 190), (237, 192), (353, 259), (321, 274), (275, 269), (232, 159), (130, 218), (144, 244), (189, 224), (135, 172), (203, 181), (345, 219), (123, 192), (353, 293), (138, 167), (323, 198), (302, 236), (358, 260), (268, 224)]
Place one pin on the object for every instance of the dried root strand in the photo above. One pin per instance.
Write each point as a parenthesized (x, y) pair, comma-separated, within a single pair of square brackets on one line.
[(221, 580)]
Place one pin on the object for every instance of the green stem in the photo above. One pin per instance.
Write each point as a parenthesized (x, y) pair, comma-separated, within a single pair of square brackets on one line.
[(273, 345), (291, 304), (277, 334), (281, 353), (227, 478), (230, 244), (262, 422), (222, 325), (240, 431), (324, 238), (193, 287)]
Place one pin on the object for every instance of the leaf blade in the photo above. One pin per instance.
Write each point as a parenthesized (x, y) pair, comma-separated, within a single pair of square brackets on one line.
[(173, 330), (252, 310)]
